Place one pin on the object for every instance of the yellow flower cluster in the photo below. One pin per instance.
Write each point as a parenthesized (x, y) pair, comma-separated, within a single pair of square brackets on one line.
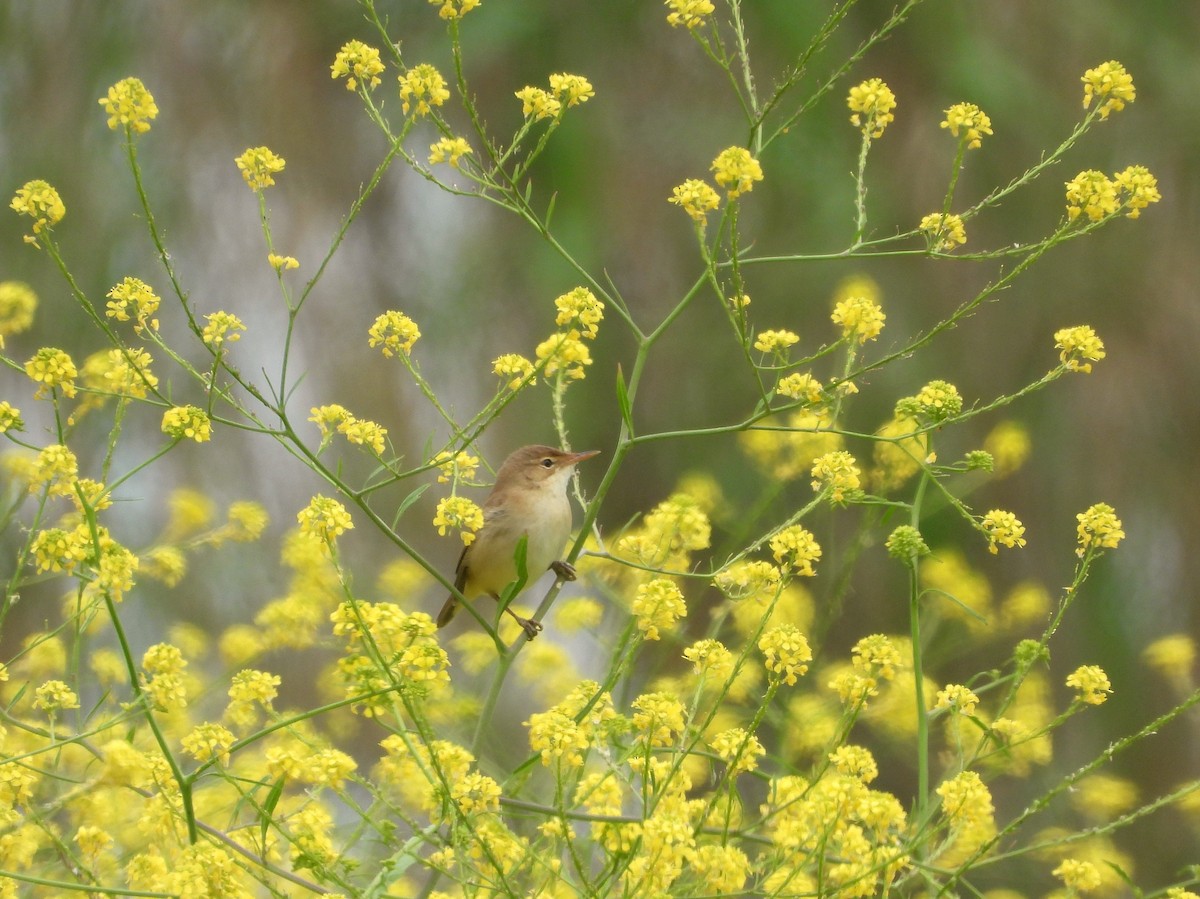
[(165, 686), (796, 550), (710, 659), (1080, 346), (51, 369), (421, 88), (658, 605), (324, 519), (55, 696), (787, 653), (18, 303), (1090, 683), (455, 9), (1094, 194), (859, 317), (258, 166), (776, 342), (395, 332), (191, 422), (837, 475), (748, 578), (282, 263), (562, 734), (957, 698), (449, 149), (515, 367), (357, 63), (41, 202), (799, 386), (221, 328), (938, 401), (1078, 876), (943, 231), (1002, 528), (209, 742), (660, 717), (1099, 528), (695, 197), (968, 123), (10, 418), (579, 313), (871, 103), (736, 170), (565, 91), (688, 13), (460, 513), (455, 467), (873, 659), (133, 297), (1110, 85), (738, 749), (129, 105)]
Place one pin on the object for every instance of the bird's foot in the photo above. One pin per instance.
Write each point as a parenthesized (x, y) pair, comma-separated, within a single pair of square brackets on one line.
[(532, 628), (565, 570)]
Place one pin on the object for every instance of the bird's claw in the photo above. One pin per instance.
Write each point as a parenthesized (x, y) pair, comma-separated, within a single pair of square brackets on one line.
[(532, 628), (565, 570)]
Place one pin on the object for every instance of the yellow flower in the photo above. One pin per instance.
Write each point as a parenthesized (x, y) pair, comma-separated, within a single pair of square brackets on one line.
[(222, 327), (688, 13), (957, 698), (660, 716), (736, 170), (207, 742), (191, 422), (1109, 84), (571, 89), (710, 659), (972, 121), (129, 105), (938, 401), (786, 652), (859, 317), (776, 342), (1003, 528), (658, 604), (872, 103), (799, 386), (1078, 344), (837, 474), (10, 418), (696, 198), (556, 735), (1139, 189), (92, 840), (1078, 876), (357, 62), (422, 87), (538, 103), (449, 149), (1099, 528), (1090, 683), (258, 165), (395, 332), (17, 305), (1092, 193), (54, 696), (136, 297), (52, 368), (796, 549), (282, 263), (580, 313), (566, 353), (455, 9), (461, 513), (516, 368), (944, 232), (40, 202), (456, 466), (324, 518), (738, 749)]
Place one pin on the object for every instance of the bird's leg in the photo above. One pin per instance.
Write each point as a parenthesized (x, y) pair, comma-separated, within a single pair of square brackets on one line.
[(565, 570), (532, 628)]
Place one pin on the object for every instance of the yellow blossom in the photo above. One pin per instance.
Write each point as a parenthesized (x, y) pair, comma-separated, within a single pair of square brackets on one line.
[(695, 197), (456, 466), (658, 604), (129, 105), (738, 749), (133, 297), (421, 88), (1099, 528), (324, 518), (859, 317), (455, 9), (208, 742), (571, 89), (711, 659), (776, 342), (1138, 189), (258, 166), (461, 513), (736, 170), (1090, 683), (1110, 85), (515, 367), (222, 327), (786, 653), (54, 696), (1078, 876), (394, 332), (796, 549), (10, 418), (688, 13), (449, 149), (1002, 528), (357, 62), (52, 369), (970, 120), (800, 386), (564, 353), (836, 474), (580, 313), (1093, 194), (957, 698), (944, 232), (191, 422), (17, 305), (537, 103), (871, 103), (40, 202)]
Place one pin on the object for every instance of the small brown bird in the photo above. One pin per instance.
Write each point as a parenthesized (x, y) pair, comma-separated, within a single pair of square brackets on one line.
[(529, 499)]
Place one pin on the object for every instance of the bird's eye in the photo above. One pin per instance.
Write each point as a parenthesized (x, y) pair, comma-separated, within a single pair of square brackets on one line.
[(547, 462)]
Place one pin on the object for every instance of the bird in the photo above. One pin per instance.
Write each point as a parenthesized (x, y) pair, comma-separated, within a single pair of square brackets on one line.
[(529, 499)]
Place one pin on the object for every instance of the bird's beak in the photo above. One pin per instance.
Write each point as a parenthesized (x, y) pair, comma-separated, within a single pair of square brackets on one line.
[(576, 458)]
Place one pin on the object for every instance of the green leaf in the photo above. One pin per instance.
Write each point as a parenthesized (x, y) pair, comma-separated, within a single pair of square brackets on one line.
[(268, 811), (623, 401), (406, 502), (511, 591)]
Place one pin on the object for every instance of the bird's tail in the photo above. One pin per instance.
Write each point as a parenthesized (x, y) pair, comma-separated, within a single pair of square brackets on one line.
[(447, 612)]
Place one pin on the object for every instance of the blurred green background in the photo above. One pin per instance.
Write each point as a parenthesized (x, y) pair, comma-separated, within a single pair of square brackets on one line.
[(229, 75)]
